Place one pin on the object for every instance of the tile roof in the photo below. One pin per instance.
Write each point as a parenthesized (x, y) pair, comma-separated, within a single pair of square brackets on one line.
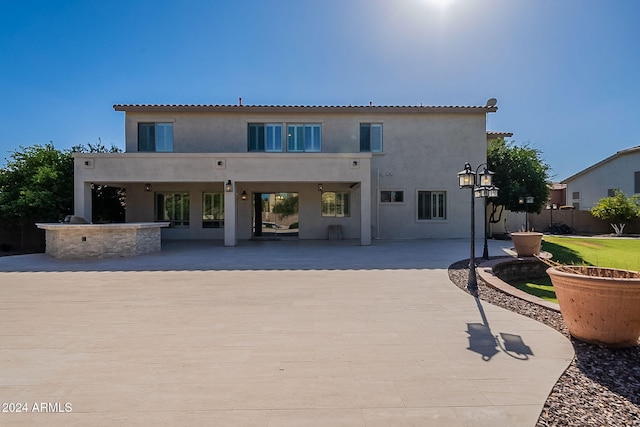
[(496, 134), (301, 108)]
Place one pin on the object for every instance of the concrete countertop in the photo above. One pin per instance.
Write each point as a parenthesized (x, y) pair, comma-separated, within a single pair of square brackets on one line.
[(57, 225)]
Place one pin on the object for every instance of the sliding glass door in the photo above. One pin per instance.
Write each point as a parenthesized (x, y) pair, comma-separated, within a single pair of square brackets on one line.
[(275, 215)]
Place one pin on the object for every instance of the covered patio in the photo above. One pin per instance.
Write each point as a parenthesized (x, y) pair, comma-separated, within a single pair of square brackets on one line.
[(237, 178)]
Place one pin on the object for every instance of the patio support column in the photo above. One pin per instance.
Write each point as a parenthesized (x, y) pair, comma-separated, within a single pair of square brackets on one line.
[(365, 212), (230, 218), (82, 200)]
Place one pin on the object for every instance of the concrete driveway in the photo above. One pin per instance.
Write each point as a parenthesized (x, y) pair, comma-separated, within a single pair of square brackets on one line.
[(267, 334)]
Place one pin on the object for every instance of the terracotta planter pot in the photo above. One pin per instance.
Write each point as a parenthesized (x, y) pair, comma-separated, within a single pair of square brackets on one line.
[(598, 309), (526, 243)]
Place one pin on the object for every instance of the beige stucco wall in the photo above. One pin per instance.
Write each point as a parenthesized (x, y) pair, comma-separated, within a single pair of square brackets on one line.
[(426, 153), (227, 133), (423, 150), (209, 167)]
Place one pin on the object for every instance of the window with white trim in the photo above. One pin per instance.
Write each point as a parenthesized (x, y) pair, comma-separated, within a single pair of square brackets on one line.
[(264, 137), (156, 137), (432, 205), (371, 137), (304, 138)]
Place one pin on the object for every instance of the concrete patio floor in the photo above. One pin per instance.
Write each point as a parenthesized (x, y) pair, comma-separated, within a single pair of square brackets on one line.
[(267, 334)]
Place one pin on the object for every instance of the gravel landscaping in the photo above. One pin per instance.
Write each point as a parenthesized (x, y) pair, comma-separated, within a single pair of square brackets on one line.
[(601, 387)]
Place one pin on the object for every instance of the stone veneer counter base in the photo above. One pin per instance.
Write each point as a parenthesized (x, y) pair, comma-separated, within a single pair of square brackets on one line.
[(73, 241)]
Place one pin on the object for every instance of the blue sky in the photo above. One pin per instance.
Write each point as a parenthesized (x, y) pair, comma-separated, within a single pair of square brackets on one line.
[(566, 73)]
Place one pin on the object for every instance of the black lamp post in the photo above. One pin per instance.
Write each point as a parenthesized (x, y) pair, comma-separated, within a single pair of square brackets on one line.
[(529, 201), (467, 179), (551, 208), (526, 200), (487, 192)]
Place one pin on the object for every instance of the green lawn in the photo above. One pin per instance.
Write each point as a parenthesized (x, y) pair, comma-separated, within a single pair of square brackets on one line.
[(540, 287), (613, 253)]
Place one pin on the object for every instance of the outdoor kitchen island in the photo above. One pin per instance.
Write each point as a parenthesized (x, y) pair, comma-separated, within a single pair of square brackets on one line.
[(76, 241)]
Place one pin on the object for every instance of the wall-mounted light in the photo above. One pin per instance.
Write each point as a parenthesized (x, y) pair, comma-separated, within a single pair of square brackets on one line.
[(244, 195), (228, 186), (147, 187), (320, 187)]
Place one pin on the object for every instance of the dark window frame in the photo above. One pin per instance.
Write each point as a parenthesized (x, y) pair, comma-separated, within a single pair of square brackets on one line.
[(366, 138), (148, 133), (392, 196), (178, 215), (426, 207)]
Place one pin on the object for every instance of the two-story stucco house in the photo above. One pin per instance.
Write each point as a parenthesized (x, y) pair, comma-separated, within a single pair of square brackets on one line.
[(233, 172), (619, 171)]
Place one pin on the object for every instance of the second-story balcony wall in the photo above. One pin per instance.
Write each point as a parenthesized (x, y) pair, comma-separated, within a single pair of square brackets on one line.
[(192, 167)]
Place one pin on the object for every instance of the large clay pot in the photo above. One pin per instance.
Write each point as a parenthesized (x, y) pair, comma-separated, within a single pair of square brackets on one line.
[(526, 243), (596, 308)]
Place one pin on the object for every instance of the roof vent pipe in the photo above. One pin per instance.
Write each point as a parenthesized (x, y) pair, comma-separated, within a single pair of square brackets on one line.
[(240, 102)]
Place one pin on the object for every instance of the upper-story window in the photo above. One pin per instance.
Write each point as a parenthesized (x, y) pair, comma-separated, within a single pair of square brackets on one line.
[(265, 137), (155, 137), (304, 137), (371, 137)]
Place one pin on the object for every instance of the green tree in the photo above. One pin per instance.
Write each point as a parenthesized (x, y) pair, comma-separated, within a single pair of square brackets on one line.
[(36, 185), (619, 209), (519, 172)]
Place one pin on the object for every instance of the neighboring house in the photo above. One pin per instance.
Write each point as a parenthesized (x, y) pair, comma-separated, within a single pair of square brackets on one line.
[(495, 135), (620, 171), (557, 195), (240, 172)]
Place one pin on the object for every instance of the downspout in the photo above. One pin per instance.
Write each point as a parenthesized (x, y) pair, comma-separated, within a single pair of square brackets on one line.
[(377, 204)]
